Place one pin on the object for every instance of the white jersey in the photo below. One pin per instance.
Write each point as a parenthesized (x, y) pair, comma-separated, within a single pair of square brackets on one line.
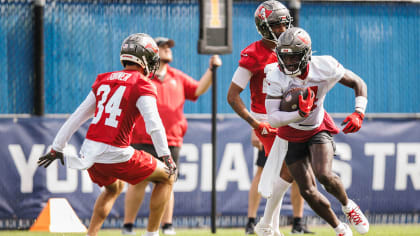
[(324, 73)]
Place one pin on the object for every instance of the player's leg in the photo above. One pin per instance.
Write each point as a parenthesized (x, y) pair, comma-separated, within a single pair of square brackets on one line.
[(269, 224), (103, 206), (160, 196), (135, 194), (322, 152), (297, 160), (133, 199), (254, 197), (167, 227), (321, 148), (297, 205), (301, 169)]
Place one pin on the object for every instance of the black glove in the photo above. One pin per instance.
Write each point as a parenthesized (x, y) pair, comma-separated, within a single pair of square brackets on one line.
[(46, 160), (170, 164)]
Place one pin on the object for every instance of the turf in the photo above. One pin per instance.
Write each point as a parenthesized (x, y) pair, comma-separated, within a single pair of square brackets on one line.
[(375, 230)]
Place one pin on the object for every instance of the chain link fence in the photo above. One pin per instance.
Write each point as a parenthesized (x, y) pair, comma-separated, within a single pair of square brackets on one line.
[(16, 57), (377, 40)]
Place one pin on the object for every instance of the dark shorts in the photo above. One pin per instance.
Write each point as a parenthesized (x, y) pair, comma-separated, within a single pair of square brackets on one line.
[(299, 151), (151, 149), (261, 159)]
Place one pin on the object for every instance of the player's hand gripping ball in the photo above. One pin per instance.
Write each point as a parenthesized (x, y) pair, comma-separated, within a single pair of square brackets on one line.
[(290, 100)]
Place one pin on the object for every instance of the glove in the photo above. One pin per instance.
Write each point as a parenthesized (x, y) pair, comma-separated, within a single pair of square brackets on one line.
[(305, 105), (264, 129), (170, 164), (354, 122), (47, 159)]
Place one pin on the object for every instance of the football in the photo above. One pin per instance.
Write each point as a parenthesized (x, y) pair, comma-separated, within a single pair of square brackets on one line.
[(290, 100)]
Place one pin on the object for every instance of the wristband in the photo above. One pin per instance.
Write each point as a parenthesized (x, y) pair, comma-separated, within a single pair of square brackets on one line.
[(361, 103)]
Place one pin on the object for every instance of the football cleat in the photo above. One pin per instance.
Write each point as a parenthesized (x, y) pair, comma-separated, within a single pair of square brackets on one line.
[(249, 228), (264, 230), (346, 232), (127, 231), (300, 229), (278, 233), (356, 217), (168, 229)]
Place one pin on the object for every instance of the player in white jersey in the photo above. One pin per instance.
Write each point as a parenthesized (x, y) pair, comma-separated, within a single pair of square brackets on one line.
[(308, 130)]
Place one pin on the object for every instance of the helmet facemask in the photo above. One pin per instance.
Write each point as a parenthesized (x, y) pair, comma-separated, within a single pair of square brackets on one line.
[(294, 51), (293, 63)]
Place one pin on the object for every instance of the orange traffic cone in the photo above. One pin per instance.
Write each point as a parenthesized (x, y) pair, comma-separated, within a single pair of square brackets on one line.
[(58, 217)]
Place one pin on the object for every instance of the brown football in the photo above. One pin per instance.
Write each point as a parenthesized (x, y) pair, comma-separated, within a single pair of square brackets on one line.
[(290, 100)]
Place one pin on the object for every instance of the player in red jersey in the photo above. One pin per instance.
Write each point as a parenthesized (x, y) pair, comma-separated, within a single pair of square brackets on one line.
[(173, 88), (117, 99), (271, 18), (307, 133)]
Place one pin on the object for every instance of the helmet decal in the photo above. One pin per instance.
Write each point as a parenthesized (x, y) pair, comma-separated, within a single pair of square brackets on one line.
[(155, 49), (303, 39), (263, 12), (140, 49)]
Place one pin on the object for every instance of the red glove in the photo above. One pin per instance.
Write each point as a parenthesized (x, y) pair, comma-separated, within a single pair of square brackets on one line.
[(265, 129), (305, 105), (48, 158), (354, 122)]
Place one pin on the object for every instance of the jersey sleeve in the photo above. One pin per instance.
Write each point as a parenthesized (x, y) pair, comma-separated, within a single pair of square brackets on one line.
[(190, 86), (146, 88), (85, 111), (96, 84), (334, 69), (276, 85), (248, 60)]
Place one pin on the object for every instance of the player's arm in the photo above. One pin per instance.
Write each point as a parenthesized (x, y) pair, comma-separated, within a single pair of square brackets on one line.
[(355, 120), (85, 111), (206, 79), (154, 127), (351, 80), (240, 79), (277, 118)]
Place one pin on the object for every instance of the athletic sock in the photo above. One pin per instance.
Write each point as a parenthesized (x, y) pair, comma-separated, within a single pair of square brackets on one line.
[(251, 220), (280, 187), (340, 228), (128, 226), (276, 217), (350, 205), (166, 225), (156, 233), (297, 221)]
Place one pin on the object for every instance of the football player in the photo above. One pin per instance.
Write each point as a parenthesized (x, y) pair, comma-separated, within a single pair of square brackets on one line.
[(309, 129), (173, 88), (117, 99), (271, 19)]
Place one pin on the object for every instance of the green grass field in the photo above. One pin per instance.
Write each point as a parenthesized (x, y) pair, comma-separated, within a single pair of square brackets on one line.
[(375, 230)]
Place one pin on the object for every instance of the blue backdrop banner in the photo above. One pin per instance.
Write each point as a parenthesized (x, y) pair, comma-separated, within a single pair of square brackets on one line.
[(379, 166)]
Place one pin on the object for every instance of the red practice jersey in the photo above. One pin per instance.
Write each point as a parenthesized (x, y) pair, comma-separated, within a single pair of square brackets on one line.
[(254, 58), (171, 94), (116, 111)]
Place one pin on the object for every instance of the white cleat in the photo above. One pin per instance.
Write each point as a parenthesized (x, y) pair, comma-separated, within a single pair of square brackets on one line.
[(169, 231), (346, 232), (356, 217), (264, 230), (278, 233)]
